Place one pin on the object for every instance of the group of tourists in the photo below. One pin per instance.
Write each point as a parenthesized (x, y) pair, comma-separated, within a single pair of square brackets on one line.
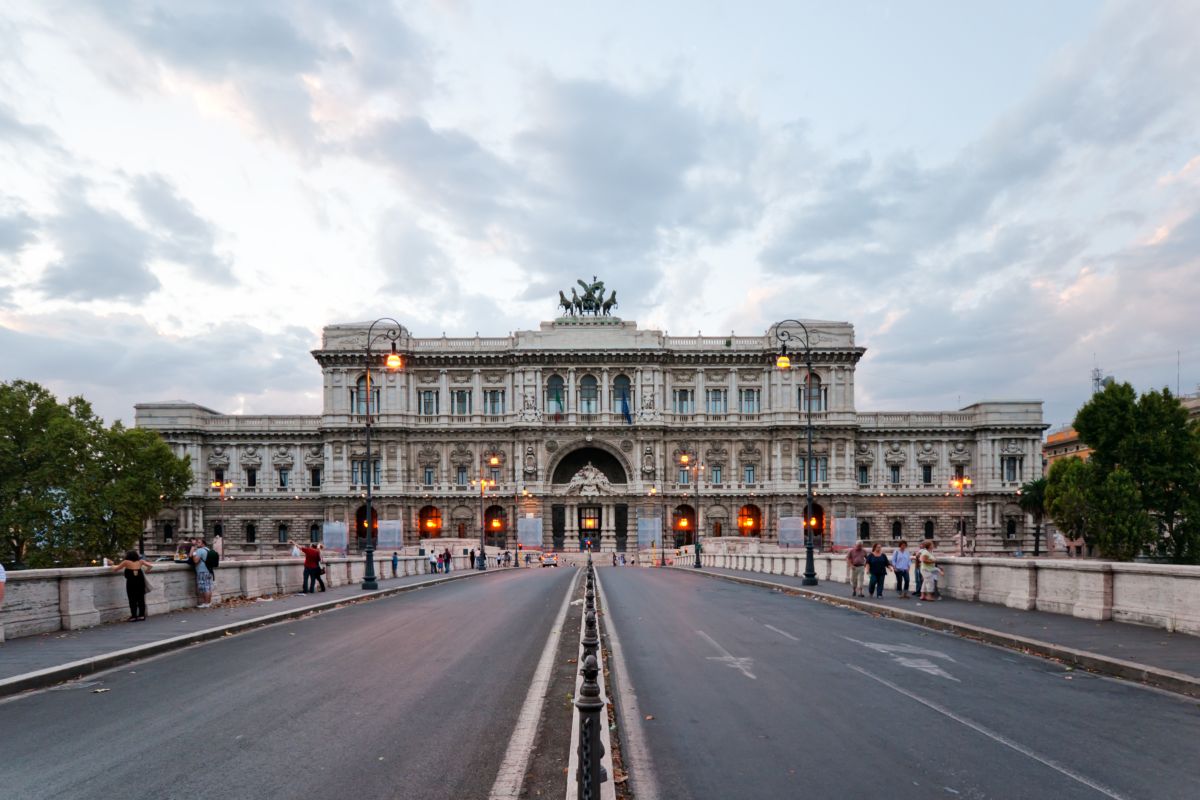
[(314, 565), (443, 562), (875, 565)]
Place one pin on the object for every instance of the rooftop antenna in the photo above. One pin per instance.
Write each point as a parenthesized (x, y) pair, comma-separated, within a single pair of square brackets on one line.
[(1097, 380), (1177, 373)]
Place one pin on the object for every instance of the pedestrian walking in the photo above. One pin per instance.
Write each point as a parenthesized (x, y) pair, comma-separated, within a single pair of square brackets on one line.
[(433, 563), (472, 557), (856, 561), (312, 563), (928, 568), (448, 557), (395, 563), (877, 569), (901, 562), (204, 576), (135, 583)]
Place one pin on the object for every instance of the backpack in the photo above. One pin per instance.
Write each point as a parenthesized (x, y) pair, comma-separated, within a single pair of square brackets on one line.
[(212, 560)]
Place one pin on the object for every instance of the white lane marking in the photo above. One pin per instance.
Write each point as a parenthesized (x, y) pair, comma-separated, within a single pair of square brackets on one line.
[(919, 664), (743, 665), (634, 750), (781, 633), (996, 737), (520, 744)]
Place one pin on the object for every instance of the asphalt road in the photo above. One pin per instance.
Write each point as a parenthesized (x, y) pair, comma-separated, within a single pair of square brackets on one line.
[(757, 694), (413, 696)]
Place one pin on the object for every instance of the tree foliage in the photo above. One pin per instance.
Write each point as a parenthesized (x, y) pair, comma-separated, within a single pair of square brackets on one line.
[(1150, 440), (1068, 496), (72, 489), (1032, 500)]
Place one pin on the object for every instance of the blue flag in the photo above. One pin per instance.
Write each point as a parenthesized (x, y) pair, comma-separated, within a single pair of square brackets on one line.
[(625, 408)]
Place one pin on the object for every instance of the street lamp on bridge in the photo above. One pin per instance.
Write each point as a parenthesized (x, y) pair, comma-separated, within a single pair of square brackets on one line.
[(392, 330), (960, 485), (783, 361), (697, 471)]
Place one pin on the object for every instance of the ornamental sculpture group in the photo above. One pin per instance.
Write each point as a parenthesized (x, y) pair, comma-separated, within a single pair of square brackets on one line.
[(591, 302)]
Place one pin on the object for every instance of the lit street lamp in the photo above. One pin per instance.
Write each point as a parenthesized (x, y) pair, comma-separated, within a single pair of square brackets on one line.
[(960, 485), (697, 470), (484, 484), (783, 361), (662, 547), (222, 486), (393, 362)]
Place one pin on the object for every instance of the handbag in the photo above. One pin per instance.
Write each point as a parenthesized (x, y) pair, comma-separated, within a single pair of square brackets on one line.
[(146, 581)]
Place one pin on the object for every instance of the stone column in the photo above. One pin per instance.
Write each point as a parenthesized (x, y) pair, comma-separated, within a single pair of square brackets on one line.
[(571, 535), (608, 528)]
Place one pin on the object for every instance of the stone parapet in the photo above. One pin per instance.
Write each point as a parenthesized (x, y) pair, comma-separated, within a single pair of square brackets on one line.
[(1159, 595), (47, 600)]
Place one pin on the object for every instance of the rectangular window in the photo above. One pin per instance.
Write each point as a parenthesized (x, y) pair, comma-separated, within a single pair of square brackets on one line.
[(460, 402), (927, 474), (315, 477), (495, 476), (589, 396), (460, 476), (493, 401), (716, 401), (748, 473), (251, 477), (284, 475), (684, 401), (714, 476), (820, 469), (251, 533), (864, 475), (428, 402), (958, 471), (355, 474), (820, 398), (684, 476), (358, 401), (1011, 467), (895, 474), (359, 473), (429, 476), (283, 533), (219, 475), (748, 401)]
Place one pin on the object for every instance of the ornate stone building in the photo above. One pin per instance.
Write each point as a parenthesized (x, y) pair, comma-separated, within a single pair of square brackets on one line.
[(582, 424)]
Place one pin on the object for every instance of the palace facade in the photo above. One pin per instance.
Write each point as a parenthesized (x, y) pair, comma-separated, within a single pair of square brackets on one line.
[(582, 426)]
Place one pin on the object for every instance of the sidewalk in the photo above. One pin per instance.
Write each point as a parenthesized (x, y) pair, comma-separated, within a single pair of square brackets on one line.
[(40, 660), (1136, 652)]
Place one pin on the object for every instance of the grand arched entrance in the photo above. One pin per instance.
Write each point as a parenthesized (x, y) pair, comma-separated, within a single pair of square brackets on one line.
[(360, 525), (586, 512)]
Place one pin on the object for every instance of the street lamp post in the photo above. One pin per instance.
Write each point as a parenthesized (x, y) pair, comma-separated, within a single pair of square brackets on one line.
[(960, 485), (392, 331), (662, 547), (783, 361), (222, 486), (484, 484), (697, 471)]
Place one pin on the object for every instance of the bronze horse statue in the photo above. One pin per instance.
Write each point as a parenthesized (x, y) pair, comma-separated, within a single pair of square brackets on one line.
[(610, 304), (564, 303)]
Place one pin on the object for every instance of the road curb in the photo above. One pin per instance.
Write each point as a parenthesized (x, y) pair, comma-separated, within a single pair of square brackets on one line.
[(72, 670), (1093, 662)]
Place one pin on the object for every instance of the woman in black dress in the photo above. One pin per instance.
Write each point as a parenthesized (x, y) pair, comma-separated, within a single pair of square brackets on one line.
[(135, 583)]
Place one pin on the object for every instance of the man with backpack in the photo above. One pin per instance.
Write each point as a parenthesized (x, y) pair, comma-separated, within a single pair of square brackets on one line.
[(205, 560)]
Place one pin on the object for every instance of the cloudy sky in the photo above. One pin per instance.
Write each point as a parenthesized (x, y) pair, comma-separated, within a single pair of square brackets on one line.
[(999, 196)]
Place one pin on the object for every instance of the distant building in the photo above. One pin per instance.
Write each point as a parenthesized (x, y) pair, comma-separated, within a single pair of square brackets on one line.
[(577, 422), (1062, 443)]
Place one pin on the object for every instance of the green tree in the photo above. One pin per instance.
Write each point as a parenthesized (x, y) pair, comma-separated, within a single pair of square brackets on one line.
[(1151, 439), (1033, 502), (1069, 495), (132, 475), (71, 489), (1120, 528)]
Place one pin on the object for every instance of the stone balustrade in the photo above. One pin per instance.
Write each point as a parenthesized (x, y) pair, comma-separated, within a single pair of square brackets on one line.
[(1159, 595), (47, 600)]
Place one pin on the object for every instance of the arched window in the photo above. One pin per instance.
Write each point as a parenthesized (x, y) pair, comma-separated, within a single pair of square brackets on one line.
[(749, 520), (817, 394), (314, 532), (251, 533), (897, 529), (622, 396), (685, 525), (495, 525), (928, 529), (1010, 529), (358, 397), (218, 529), (589, 394), (556, 398), (429, 520), (864, 530)]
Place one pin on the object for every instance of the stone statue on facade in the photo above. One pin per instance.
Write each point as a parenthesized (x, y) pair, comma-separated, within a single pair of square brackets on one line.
[(590, 482), (529, 411)]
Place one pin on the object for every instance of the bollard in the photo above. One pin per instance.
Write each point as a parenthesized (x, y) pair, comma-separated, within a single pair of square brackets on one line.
[(590, 639), (590, 774), (589, 598)]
